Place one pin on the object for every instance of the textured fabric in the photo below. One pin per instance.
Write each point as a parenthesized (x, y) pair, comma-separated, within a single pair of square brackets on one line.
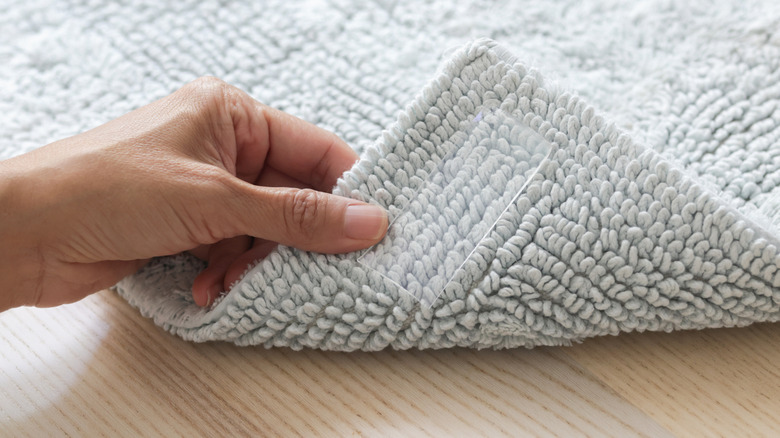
[(657, 210), (608, 236)]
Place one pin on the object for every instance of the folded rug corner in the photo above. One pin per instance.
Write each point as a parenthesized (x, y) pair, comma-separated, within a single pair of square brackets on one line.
[(607, 235)]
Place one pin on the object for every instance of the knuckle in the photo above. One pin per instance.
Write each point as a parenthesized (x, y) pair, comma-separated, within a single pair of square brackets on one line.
[(207, 103), (209, 84), (303, 211), (207, 90), (213, 95)]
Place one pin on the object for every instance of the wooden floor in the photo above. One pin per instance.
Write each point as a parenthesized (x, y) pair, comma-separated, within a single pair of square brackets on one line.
[(97, 368)]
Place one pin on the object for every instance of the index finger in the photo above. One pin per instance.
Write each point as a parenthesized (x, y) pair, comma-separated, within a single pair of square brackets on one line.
[(304, 151)]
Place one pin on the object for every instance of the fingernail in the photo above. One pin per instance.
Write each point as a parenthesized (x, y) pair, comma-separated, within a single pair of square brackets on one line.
[(214, 292), (204, 297), (200, 297), (365, 222)]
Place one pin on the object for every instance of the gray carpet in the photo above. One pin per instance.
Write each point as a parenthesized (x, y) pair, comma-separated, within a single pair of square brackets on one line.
[(656, 208)]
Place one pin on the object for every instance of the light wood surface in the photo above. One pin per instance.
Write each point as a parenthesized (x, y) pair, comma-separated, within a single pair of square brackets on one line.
[(98, 368)]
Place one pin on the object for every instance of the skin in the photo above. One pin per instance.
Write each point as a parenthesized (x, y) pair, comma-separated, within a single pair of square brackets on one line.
[(207, 169)]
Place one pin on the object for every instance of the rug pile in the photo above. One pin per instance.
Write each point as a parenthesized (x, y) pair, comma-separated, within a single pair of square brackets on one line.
[(655, 207)]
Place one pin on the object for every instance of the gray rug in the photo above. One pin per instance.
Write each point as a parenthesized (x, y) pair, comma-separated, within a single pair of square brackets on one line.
[(652, 207)]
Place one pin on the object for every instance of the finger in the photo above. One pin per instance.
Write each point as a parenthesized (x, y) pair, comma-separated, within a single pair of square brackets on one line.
[(208, 285), (201, 252), (247, 260), (304, 151), (305, 219), (271, 177), (255, 135)]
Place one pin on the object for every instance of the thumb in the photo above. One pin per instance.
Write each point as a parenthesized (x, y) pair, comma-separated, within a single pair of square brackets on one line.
[(306, 219)]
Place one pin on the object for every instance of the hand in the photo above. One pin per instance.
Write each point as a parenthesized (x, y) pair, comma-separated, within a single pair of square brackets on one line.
[(206, 169)]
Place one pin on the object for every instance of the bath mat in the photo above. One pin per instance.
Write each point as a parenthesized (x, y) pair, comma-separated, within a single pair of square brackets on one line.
[(597, 235), (681, 97)]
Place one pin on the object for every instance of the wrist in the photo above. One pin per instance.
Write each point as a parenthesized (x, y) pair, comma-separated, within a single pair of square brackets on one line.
[(19, 266)]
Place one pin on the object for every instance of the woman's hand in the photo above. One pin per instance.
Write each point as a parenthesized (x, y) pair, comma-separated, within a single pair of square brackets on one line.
[(206, 169)]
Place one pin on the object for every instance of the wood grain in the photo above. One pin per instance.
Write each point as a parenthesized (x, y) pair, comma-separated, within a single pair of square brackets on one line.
[(721, 382), (97, 368)]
